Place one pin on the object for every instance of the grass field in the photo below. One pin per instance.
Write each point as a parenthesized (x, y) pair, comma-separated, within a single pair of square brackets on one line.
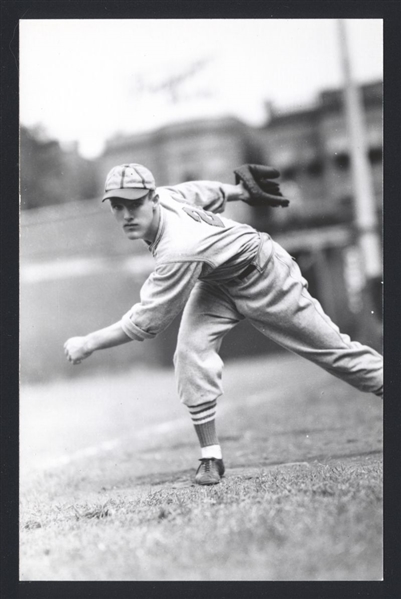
[(107, 467)]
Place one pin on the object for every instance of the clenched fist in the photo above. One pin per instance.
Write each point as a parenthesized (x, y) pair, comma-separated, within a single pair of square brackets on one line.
[(76, 349)]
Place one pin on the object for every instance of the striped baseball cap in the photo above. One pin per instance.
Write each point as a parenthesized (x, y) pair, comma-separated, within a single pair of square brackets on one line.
[(129, 182)]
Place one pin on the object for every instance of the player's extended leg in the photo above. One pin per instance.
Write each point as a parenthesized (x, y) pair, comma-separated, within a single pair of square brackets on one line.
[(208, 315), (280, 306)]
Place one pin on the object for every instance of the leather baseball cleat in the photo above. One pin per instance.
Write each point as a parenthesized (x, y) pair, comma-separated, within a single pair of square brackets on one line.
[(209, 472)]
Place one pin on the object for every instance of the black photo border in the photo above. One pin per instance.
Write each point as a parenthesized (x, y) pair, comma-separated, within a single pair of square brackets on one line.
[(11, 13)]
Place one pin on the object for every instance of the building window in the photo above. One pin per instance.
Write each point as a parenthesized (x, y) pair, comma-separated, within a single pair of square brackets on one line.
[(290, 172), (345, 211), (315, 168), (342, 161), (346, 201), (188, 176), (375, 155)]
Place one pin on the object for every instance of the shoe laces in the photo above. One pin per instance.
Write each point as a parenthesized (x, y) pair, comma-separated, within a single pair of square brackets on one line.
[(206, 463)]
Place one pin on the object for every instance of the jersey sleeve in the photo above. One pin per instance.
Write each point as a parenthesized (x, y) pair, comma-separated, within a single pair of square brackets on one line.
[(162, 297), (208, 195)]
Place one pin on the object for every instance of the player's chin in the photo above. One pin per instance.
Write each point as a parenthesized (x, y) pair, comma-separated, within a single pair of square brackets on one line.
[(133, 232)]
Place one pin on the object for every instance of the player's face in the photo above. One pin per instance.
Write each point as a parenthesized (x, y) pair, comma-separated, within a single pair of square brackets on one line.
[(139, 219)]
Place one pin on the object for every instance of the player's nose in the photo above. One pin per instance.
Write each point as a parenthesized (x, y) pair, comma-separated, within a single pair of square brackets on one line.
[(127, 214)]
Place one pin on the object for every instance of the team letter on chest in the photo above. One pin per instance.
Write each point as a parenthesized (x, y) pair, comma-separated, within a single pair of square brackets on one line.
[(202, 215)]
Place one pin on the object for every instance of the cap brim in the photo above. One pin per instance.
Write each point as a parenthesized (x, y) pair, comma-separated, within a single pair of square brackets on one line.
[(126, 194)]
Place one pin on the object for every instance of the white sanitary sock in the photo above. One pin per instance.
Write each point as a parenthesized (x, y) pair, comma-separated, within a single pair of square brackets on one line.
[(211, 451)]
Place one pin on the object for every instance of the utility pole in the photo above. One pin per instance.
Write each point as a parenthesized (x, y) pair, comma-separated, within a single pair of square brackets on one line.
[(364, 199)]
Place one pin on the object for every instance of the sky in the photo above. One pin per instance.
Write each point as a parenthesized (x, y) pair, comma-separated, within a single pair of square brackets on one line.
[(86, 81)]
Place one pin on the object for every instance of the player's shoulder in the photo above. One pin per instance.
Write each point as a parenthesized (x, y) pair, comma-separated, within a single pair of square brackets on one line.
[(170, 195), (182, 233)]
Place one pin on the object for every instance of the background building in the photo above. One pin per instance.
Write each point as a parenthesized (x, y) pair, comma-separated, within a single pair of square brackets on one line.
[(311, 149)]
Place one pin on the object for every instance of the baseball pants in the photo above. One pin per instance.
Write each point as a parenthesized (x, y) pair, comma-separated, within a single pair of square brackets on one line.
[(276, 302)]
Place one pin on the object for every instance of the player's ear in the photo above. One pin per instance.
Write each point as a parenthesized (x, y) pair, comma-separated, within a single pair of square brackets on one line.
[(155, 200)]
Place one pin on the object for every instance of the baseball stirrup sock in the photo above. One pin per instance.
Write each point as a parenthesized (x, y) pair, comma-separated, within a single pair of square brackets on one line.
[(203, 417)]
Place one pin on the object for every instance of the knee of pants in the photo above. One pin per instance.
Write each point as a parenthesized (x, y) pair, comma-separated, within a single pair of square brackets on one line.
[(191, 345), (183, 352), (190, 358), (198, 370)]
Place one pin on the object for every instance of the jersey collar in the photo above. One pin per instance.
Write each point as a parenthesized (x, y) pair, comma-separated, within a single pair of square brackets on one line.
[(152, 247)]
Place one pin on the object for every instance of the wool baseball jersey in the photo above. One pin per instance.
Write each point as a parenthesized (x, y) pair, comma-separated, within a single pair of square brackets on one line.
[(193, 242)]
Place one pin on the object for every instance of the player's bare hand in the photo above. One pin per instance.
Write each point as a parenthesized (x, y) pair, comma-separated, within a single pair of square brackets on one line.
[(76, 349), (244, 194)]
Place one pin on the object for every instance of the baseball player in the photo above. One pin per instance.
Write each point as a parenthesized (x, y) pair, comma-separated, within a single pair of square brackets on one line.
[(220, 272)]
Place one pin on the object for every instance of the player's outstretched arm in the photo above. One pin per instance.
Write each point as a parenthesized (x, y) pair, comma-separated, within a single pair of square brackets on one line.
[(77, 349), (236, 193), (209, 195)]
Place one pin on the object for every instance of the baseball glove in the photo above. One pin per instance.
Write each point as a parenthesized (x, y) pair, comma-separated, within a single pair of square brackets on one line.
[(257, 180)]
